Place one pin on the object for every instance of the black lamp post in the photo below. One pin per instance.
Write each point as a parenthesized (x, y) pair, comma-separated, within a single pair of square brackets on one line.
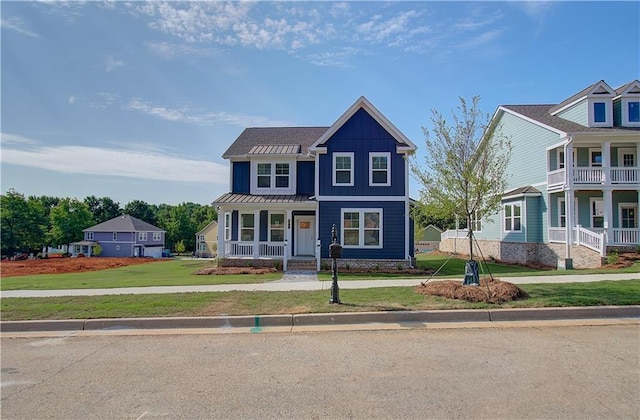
[(335, 252)]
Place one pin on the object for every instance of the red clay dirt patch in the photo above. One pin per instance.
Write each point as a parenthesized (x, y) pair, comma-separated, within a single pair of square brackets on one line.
[(235, 270), (626, 259), (490, 291), (66, 265)]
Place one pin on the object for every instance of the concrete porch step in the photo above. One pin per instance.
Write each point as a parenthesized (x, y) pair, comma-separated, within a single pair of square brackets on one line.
[(301, 265)]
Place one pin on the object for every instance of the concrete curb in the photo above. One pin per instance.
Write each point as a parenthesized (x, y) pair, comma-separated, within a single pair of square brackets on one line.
[(338, 318)]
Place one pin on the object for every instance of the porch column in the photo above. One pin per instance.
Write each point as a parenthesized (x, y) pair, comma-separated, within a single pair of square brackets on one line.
[(256, 233), (568, 163), (288, 235), (608, 219), (606, 163), (568, 203), (221, 230)]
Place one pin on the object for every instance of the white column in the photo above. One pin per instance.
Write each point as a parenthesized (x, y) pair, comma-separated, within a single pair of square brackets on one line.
[(569, 203), (568, 164), (256, 233), (289, 233), (608, 215), (221, 230), (606, 162)]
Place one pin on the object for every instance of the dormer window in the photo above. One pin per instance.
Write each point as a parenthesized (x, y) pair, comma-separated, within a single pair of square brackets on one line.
[(599, 112), (634, 111)]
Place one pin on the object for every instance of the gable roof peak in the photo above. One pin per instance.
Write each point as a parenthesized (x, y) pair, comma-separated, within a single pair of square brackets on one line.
[(598, 88), (363, 103), (632, 88)]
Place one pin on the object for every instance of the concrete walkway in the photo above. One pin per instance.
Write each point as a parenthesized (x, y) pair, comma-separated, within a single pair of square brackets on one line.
[(297, 282)]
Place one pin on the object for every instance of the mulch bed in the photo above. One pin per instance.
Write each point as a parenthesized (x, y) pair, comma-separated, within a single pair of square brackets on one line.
[(67, 265), (490, 291)]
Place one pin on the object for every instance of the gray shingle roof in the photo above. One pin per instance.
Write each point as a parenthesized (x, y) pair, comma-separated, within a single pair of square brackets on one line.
[(124, 223), (274, 136), (261, 199), (522, 190), (541, 114)]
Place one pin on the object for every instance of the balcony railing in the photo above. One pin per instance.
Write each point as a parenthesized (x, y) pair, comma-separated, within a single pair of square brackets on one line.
[(453, 233), (590, 237), (595, 176)]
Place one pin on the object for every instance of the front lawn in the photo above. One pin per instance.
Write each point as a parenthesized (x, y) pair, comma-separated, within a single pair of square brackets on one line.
[(625, 292)]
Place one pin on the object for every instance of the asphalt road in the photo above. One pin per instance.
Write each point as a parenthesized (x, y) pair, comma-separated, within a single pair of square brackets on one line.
[(563, 372)]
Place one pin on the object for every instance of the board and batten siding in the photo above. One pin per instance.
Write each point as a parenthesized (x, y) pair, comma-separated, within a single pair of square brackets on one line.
[(241, 181), (393, 226), (617, 112), (305, 177), (528, 164), (361, 134), (577, 113)]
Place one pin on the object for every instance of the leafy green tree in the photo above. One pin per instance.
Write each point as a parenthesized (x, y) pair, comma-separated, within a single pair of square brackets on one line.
[(103, 208), (23, 223), (96, 250), (68, 219), (464, 172), (180, 247), (141, 210)]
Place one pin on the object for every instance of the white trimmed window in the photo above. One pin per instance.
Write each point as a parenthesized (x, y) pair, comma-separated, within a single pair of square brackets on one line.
[(202, 247), (513, 217), (115, 236), (142, 236), (361, 228), (89, 236), (476, 222), (596, 206), (247, 225), (157, 236), (343, 169), (595, 157), (276, 227), (227, 226), (380, 169), (273, 175)]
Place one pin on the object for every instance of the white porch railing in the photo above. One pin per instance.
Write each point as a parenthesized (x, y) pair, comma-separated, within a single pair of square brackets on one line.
[(625, 237), (245, 249), (590, 239), (555, 177), (625, 175), (588, 175)]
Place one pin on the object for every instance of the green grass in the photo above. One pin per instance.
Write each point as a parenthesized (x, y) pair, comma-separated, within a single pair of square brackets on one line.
[(163, 273), (625, 292)]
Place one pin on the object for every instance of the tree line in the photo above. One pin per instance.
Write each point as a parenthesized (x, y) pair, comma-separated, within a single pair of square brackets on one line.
[(33, 222)]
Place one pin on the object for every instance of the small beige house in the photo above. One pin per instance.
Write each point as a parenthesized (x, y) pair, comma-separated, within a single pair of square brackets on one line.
[(207, 241), (428, 239)]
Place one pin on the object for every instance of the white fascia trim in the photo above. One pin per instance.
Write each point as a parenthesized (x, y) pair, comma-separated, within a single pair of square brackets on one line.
[(531, 120), (398, 198), (522, 195)]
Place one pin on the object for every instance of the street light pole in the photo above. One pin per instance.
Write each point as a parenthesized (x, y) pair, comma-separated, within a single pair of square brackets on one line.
[(335, 252)]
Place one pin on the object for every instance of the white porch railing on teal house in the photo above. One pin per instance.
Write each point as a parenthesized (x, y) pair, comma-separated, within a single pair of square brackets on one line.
[(594, 176)]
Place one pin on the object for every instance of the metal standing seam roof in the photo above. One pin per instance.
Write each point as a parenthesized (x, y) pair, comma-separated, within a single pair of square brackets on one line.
[(231, 198), (274, 140), (124, 223)]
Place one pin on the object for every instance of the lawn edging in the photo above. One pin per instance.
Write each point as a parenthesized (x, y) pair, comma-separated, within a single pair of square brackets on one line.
[(257, 322)]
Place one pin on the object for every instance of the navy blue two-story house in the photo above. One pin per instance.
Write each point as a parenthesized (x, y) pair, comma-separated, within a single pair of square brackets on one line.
[(290, 185)]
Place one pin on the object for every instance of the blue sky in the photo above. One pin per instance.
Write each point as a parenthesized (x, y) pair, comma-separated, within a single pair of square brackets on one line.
[(135, 100)]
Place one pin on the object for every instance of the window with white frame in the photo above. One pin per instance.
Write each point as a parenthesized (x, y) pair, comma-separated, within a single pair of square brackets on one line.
[(476, 222), (562, 211), (227, 226), (202, 247), (157, 236), (599, 112), (276, 227), (562, 160), (343, 169), (597, 213), (273, 175), (633, 110), (380, 169), (142, 236), (362, 228), (247, 227), (513, 217), (628, 215), (115, 236), (89, 236), (595, 157)]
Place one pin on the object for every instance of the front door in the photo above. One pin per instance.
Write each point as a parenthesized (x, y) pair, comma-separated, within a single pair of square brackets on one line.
[(305, 233)]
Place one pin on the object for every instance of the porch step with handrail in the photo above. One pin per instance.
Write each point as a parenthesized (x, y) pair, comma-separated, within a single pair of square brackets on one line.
[(301, 265)]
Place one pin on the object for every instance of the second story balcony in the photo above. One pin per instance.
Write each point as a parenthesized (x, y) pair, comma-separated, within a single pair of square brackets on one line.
[(585, 176)]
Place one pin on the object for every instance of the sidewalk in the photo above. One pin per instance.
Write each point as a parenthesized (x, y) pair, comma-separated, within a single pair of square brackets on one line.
[(282, 286)]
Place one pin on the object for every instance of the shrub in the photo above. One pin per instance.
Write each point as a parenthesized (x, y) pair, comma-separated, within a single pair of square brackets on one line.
[(612, 258)]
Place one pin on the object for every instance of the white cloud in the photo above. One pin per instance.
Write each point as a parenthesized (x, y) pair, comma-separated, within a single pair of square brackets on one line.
[(170, 51), (71, 100), (17, 25), (111, 162), (185, 114), (112, 64)]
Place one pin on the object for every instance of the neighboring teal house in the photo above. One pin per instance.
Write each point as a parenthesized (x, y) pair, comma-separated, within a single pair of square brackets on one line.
[(575, 180)]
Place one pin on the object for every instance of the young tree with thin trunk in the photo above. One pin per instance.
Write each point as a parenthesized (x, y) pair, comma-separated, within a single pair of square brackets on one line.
[(464, 169)]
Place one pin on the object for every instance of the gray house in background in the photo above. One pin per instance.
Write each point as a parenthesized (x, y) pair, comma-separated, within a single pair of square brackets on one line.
[(122, 236)]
